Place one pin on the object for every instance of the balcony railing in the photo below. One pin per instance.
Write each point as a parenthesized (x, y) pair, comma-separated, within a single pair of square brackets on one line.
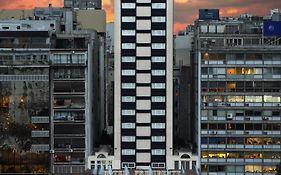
[(40, 133)]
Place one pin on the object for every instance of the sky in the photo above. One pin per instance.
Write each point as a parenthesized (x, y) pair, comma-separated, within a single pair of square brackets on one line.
[(185, 11)]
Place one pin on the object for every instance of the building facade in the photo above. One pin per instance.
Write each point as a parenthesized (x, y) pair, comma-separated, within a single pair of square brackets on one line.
[(24, 96), (50, 87), (143, 89), (83, 4), (238, 96)]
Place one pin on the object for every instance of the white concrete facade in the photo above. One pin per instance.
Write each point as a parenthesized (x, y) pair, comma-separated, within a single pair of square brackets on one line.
[(142, 152)]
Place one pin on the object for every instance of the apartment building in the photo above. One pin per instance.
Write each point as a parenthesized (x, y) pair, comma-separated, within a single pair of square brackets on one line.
[(25, 91), (143, 89), (239, 71), (50, 82)]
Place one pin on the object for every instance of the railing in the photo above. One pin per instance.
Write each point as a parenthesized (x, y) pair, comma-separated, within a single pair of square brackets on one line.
[(40, 133), (40, 119)]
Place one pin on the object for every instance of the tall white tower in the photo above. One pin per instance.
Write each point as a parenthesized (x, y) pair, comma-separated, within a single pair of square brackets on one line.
[(143, 99)]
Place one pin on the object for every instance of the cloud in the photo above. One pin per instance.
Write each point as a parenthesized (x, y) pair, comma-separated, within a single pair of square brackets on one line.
[(227, 7), (28, 4), (186, 11)]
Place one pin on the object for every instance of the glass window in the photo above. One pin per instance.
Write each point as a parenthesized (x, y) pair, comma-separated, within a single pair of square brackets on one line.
[(128, 59), (128, 85), (128, 32), (128, 138), (128, 152), (128, 112), (158, 59), (158, 98), (158, 125), (128, 98), (158, 6), (128, 72), (158, 72), (235, 98), (158, 46), (128, 125), (128, 19), (158, 138), (158, 19), (128, 45), (253, 98), (158, 32), (158, 152), (269, 98), (158, 85), (128, 5), (158, 112)]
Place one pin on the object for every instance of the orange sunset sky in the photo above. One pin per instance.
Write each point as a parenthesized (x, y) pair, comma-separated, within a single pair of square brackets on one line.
[(186, 11)]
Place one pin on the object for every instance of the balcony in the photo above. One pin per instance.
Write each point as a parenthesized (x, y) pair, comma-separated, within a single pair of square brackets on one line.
[(40, 147), (39, 133), (40, 119), (240, 146), (74, 103)]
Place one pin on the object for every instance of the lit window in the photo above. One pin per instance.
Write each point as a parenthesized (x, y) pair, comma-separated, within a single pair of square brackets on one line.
[(128, 125), (128, 112), (158, 19), (158, 59), (128, 19), (128, 45), (128, 99), (128, 5), (158, 151), (158, 112), (128, 152), (158, 6), (128, 32), (158, 32), (158, 138), (128, 138), (158, 72), (271, 99), (158, 46), (128, 85), (158, 85), (158, 125), (128, 72), (158, 99), (128, 59), (253, 98)]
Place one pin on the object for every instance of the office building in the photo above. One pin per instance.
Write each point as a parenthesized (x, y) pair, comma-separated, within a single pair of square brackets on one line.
[(238, 66), (143, 89)]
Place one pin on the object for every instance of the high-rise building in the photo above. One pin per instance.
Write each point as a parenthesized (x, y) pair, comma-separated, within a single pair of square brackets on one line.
[(238, 66), (143, 94), (49, 90), (24, 96)]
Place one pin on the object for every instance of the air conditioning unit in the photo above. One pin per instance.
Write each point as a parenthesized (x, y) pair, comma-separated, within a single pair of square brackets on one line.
[(246, 132), (229, 116), (52, 151), (264, 132)]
